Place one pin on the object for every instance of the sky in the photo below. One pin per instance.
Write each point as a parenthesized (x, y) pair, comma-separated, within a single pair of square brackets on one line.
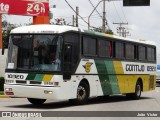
[(143, 22)]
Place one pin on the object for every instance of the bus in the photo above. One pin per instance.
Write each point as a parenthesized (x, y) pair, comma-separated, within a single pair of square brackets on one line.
[(68, 63)]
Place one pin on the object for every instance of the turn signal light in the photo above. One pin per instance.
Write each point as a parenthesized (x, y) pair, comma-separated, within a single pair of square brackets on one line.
[(8, 89), (9, 93)]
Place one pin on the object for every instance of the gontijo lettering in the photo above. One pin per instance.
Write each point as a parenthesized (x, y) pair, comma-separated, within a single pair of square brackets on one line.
[(133, 67)]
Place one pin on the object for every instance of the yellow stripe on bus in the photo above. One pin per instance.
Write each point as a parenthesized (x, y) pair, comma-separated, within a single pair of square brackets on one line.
[(47, 78), (120, 78)]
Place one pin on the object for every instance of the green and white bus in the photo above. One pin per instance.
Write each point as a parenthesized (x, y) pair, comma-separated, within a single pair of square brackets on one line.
[(68, 63)]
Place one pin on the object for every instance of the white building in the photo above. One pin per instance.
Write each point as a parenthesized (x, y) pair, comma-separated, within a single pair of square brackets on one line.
[(3, 62)]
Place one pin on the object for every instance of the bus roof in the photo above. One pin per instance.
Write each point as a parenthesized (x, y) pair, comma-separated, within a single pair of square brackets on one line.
[(121, 38), (47, 28)]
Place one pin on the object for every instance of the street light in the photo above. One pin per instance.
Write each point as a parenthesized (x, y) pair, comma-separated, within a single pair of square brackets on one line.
[(92, 13)]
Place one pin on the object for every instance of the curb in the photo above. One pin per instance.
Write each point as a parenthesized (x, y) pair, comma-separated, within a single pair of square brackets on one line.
[(4, 96)]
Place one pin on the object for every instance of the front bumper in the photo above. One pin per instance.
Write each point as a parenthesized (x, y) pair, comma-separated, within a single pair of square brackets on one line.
[(39, 92)]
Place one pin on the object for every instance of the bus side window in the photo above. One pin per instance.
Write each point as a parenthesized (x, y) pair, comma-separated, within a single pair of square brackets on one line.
[(111, 49)]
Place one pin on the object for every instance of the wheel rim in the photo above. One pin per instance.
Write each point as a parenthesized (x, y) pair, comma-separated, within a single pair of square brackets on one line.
[(81, 93), (138, 90)]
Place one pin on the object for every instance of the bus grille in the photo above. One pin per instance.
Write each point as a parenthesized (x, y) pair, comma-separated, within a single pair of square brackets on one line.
[(21, 81), (35, 82)]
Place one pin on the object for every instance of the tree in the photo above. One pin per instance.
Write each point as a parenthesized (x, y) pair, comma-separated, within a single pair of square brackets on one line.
[(6, 29), (59, 21)]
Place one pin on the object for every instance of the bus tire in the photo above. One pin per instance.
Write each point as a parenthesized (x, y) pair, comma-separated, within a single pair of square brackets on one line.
[(35, 101), (137, 94), (82, 94)]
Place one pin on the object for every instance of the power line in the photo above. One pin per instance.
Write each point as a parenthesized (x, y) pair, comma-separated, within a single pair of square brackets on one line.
[(83, 25), (117, 12), (94, 7), (92, 15), (99, 13), (79, 18), (75, 11), (101, 5), (62, 17), (123, 12)]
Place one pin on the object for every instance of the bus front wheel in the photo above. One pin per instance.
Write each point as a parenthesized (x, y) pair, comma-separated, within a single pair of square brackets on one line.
[(82, 94), (137, 94), (35, 101)]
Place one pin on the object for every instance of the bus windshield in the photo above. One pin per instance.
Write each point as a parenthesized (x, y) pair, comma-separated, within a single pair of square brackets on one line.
[(35, 52)]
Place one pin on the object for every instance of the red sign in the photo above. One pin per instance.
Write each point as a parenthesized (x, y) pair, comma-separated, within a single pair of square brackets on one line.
[(25, 7)]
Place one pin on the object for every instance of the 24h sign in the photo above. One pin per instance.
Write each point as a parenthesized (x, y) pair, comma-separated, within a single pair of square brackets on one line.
[(25, 7)]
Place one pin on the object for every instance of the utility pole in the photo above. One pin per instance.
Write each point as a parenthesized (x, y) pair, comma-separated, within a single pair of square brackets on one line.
[(121, 30), (73, 20), (124, 32), (1, 42), (104, 17), (77, 13)]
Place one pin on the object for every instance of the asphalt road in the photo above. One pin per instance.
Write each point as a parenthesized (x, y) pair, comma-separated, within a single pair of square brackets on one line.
[(150, 101)]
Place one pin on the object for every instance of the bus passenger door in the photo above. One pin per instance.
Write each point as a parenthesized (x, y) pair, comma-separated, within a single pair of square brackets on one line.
[(67, 63)]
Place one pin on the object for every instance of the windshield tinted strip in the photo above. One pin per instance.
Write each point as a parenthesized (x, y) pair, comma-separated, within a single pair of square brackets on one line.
[(39, 77)]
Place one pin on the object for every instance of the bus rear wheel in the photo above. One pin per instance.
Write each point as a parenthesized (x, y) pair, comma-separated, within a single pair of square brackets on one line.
[(35, 101), (82, 94), (137, 94)]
